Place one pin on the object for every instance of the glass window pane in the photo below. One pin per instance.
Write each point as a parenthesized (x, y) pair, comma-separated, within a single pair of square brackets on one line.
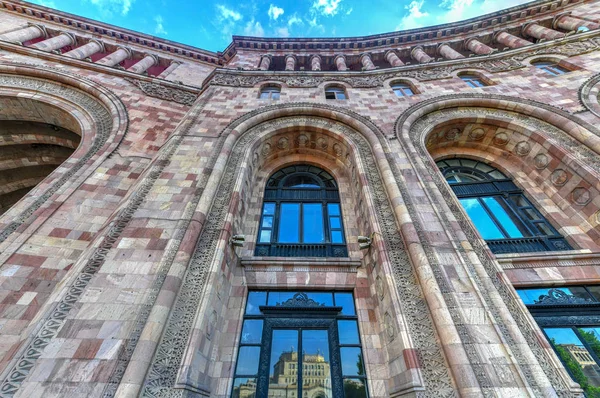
[(576, 358), (312, 223), (252, 331), (284, 359), (341, 96), (499, 210), (267, 222), (352, 362), (329, 95), (322, 298), (289, 220), (348, 331), (337, 237), (244, 388), (595, 291), (255, 299), (530, 214), (264, 95), (520, 201), (334, 222), (408, 91), (346, 301), (247, 363), (280, 297), (591, 335), (265, 236), (481, 219), (333, 209), (274, 95), (355, 388), (316, 371), (539, 296), (544, 229), (399, 93), (269, 208)]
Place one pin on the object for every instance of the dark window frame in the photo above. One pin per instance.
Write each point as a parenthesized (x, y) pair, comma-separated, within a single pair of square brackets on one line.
[(403, 89), (551, 68), (270, 92), (489, 182), (473, 80), (335, 93)]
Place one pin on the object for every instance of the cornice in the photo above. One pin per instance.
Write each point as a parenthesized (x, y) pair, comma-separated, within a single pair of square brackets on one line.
[(582, 258), (493, 63)]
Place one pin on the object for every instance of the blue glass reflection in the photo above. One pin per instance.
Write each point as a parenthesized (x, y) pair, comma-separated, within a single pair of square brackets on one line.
[(255, 299), (333, 209), (348, 331), (481, 219), (312, 223), (248, 360), (346, 301), (502, 217), (269, 208), (351, 361), (337, 237), (289, 223), (252, 331)]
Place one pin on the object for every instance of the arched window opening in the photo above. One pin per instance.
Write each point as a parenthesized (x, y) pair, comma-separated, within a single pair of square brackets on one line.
[(301, 215), (472, 80), (502, 214), (402, 89), (29, 152), (270, 92), (551, 68), (333, 92)]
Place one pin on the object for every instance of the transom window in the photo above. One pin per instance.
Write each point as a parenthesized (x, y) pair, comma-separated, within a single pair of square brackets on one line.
[(301, 215), (551, 68), (270, 92), (335, 93), (402, 90), (472, 80), (568, 316), (300, 344), (504, 217)]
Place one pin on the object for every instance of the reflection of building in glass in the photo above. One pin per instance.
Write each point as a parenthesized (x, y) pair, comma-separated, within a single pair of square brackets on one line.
[(589, 367), (316, 376), (245, 390)]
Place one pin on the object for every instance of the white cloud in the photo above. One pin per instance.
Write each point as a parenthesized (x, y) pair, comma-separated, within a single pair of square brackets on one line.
[(327, 7), (349, 11), (159, 29), (459, 10), (107, 7), (274, 12), (294, 20), (226, 13), (254, 28), (411, 20), (282, 32)]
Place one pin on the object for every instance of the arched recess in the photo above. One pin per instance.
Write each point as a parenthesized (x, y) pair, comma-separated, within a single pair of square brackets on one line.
[(527, 140), (589, 95), (350, 147), (32, 94)]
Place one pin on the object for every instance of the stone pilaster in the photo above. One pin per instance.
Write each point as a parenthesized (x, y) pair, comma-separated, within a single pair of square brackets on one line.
[(315, 62), (448, 52), (367, 62), (539, 32), (174, 65), (511, 41), (419, 55), (115, 58), (393, 58), (265, 62), (25, 34), (478, 47), (92, 47), (144, 64), (290, 62), (56, 42), (340, 63)]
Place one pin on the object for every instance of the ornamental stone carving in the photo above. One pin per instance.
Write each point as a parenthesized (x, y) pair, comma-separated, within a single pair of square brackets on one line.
[(166, 93), (559, 177), (523, 148), (501, 139), (476, 134), (581, 196), (540, 161)]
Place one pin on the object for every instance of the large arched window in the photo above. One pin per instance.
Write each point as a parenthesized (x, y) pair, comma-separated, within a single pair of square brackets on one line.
[(301, 215), (504, 217)]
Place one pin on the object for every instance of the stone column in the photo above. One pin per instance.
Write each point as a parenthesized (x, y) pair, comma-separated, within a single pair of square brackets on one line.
[(174, 65), (56, 42), (290, 62), (510, 40), (448, 52), (265, 62), (539, 32), (367, 62), (478, 47), (393, 58), (569, 22), (92, 47), (25, 34), (144, 64), (340, 62), (115, 58), (419, 55), (315, 62)]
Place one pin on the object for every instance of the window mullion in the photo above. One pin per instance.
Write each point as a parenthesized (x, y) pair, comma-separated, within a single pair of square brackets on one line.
[(516, 210), (300, 363), (492, 216)]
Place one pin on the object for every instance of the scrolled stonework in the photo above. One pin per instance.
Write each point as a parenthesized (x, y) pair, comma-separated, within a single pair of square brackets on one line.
[(166, 93), (589, 94)]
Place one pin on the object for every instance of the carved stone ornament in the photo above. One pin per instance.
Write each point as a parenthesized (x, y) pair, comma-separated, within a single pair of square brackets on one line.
[(299, 300), (559, 177), (163, 371), (581, 196), (559, 297), (499, 62), (523, 148), (589, 94), (452, 134), (540, 161), (166, 93), (476, 134), (412, 138), (501, 138)]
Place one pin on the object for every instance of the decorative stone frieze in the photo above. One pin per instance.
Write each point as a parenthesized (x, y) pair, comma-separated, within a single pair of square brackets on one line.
[(167, 93)]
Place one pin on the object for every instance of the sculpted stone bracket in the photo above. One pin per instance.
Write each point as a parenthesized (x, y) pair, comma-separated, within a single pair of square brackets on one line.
[(166, 93), (498, 62)]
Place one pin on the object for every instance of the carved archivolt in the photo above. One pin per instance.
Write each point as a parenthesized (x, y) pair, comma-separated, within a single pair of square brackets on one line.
[(589, 94), (162, 375), (500, 62), (412, 129)]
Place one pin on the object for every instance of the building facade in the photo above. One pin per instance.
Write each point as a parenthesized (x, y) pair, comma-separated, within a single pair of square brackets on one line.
[(411, 214)]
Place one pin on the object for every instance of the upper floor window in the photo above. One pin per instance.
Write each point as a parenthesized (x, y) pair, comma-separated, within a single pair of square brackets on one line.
[(335, 93), (301, 215), (270, 92), (472, 80), (552, 68), (504, 217), (402, 90), (300, 344)]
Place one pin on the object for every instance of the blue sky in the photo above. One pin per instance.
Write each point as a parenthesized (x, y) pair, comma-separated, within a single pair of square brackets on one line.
[(210, 24)]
